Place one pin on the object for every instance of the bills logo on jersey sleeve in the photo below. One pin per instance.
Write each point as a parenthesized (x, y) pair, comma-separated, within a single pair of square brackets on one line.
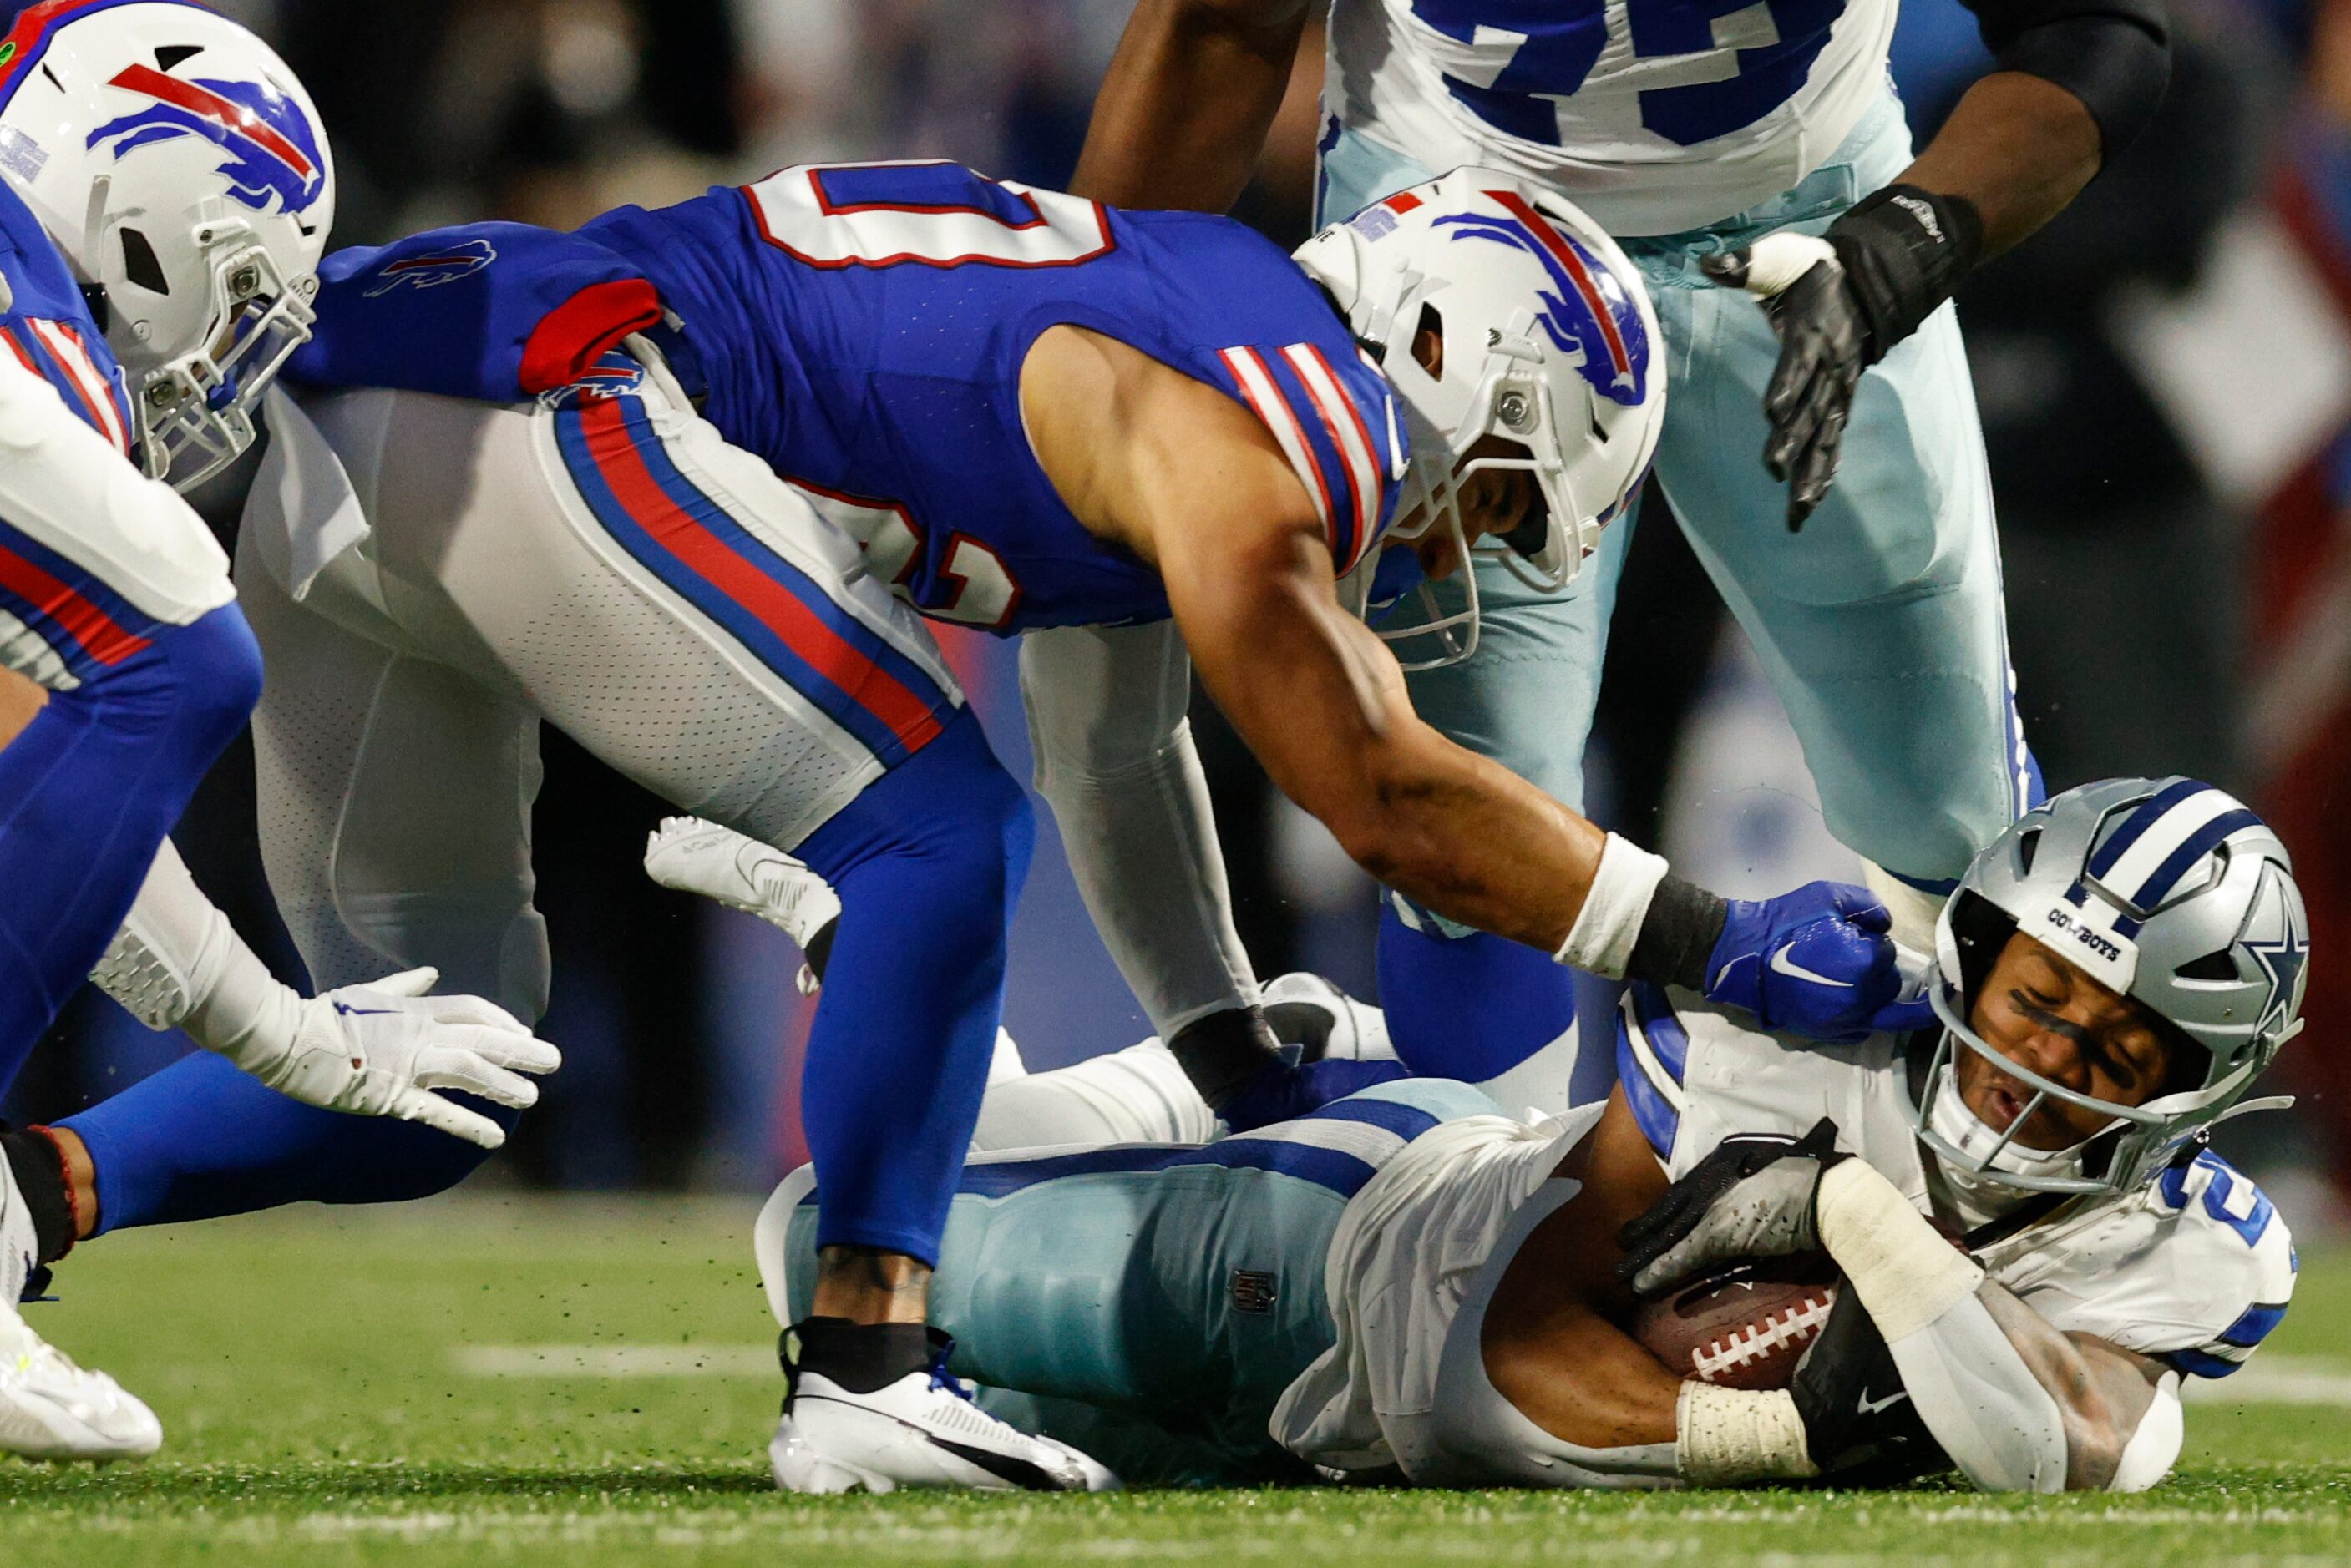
[(1335, 420), (444, 264), (1586, 310), (272, 163)]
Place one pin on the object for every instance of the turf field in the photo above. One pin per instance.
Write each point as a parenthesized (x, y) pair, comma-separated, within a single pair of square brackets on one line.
[(585, 1384)]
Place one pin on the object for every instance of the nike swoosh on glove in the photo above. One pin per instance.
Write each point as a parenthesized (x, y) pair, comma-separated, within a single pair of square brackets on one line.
[(1818, 961), (1751, 1197), (382, 1049)]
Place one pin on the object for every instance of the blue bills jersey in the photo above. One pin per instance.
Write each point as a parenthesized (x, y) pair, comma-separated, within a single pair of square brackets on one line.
[(861, 329), (46, 324)]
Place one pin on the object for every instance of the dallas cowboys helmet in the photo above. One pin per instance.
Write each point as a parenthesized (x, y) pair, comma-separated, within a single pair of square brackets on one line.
[(181, 167), (1547, 339), (2168, 891)]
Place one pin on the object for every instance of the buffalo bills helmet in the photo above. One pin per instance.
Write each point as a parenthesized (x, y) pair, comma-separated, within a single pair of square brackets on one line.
[(182, 170), (2169, 892), (1541, 334)]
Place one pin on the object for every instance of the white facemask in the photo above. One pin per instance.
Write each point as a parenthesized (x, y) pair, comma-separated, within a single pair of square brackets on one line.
[(1977, 1185)]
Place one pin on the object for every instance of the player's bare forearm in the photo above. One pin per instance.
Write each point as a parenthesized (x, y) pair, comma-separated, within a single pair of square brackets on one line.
[(1183, 112), (2102, 1392), (2019, 147), (1322, 704), (1548, 1347)]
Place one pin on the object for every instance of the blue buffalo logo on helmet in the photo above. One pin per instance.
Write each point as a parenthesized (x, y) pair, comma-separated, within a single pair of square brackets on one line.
[(1588, 311), (274, 162), (434, 268)]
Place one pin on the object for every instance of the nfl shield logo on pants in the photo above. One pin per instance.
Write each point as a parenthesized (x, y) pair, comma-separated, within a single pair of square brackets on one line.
[(1252, 1291)]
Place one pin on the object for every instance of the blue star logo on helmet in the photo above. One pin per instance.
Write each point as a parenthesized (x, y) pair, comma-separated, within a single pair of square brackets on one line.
[(2281, 959), (1586, 310), (274, 162)]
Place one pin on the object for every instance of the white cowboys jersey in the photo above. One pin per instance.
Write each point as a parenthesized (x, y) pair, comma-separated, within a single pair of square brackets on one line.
[(1654, 115), (2195, 1270)]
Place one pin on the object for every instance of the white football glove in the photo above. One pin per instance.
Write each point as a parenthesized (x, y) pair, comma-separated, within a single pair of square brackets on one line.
[(381, 1050), (375, 1050)]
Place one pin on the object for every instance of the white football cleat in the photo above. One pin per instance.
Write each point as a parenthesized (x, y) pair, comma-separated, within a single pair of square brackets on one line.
[(696, 857), (50, 1408), (920, 1431)]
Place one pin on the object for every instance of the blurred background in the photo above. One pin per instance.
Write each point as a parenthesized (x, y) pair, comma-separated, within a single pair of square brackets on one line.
[(2165, 377)]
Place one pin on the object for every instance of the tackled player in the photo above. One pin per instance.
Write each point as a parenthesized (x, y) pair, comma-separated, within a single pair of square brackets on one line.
[(1403, 1279)]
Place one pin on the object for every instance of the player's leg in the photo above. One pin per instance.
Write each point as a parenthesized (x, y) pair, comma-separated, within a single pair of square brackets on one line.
[(115, 601), (689, 619), (1880, 624), (1181, 1286)]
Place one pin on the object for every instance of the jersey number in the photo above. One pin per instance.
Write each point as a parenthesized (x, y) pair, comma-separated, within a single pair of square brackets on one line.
[(932, 214), (1533, 54), (972, 585)]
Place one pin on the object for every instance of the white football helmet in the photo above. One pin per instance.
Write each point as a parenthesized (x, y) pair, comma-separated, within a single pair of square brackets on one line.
[(183, 173), (1546, 337)]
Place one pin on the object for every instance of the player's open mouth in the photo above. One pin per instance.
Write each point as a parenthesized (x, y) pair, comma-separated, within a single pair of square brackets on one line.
[(2001, 1107)]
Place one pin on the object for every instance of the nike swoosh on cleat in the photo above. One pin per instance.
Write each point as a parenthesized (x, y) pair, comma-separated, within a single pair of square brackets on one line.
[(1022, 1473), (1783, 964), (1019, 1472), (1869, 1406)]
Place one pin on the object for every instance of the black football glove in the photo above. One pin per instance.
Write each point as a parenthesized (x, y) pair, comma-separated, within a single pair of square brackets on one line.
[(1838, 304), (1861, 1427), (1750, 1198)]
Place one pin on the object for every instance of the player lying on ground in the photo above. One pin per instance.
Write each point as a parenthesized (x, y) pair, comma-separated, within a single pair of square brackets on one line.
[(1403, 1278), (166, 200), (1720, 145), (1012, 408)]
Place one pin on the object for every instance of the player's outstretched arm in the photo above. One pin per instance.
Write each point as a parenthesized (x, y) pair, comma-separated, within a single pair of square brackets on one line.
[(1188, 480), (1923, 1352), (1182, 113), (378, 1050)]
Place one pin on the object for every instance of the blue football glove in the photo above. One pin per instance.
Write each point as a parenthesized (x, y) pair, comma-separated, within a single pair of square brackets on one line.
[(1817, 961)]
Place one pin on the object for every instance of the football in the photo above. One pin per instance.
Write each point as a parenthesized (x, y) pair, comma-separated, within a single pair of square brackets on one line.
[(1744, 1327)]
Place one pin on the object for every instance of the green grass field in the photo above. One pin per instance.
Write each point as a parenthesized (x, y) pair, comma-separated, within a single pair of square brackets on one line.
[(585, 1384)]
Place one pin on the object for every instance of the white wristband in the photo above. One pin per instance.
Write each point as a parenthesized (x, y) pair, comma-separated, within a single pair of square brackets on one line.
[(1907, 1273), (1724, 1437), (1601, 941)]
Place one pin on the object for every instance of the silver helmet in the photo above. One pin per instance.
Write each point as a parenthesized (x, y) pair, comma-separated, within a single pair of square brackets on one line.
[(2168, 891)]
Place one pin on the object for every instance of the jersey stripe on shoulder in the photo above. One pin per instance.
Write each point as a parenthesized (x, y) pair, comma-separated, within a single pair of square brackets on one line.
[(1346, 426), (91, 386), (1265, 400)]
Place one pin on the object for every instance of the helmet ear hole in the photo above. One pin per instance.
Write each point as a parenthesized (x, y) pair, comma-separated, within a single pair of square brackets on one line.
[(1428, 342), (2027, 846), (141, 264), (2220, 965)]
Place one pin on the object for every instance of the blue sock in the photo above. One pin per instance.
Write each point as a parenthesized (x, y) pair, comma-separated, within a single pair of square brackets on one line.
[(200, 1140), (92, 787), (929, 863), (1468, 1007)]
